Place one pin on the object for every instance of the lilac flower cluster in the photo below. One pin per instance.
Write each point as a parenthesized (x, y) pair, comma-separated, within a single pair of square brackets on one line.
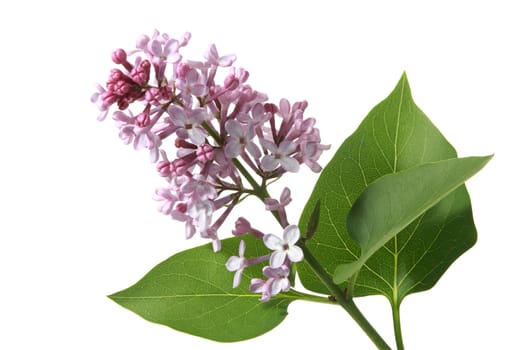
[(225, 134)]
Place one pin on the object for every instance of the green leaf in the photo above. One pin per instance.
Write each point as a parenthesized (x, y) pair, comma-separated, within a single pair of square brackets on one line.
[(192, 292), (392, 202), (396, 135)]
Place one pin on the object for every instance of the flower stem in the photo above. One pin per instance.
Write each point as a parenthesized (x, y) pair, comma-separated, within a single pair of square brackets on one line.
[(397, 325), (347, 304)]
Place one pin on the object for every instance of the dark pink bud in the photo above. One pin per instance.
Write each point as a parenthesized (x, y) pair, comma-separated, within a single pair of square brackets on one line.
[(180, 165), (181, 143), (115, 75), (242, 226), (152, 96), (142, 120), (140, 74), (181, 207), (119, 56), (123, 104), (164, 168), (121, 88), (205, 153), (108, 98), (270, 107), (165, 92)]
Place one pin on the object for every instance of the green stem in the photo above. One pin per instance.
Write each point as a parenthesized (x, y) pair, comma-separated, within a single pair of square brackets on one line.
[(347, 304), (397, 325), (309, 297)]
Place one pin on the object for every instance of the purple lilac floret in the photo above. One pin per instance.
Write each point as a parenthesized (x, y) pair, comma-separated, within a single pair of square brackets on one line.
[(284, 254), (199, 130)]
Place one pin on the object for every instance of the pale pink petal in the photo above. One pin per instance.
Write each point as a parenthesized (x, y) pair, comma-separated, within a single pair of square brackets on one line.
[(287, 147), (269, 145), (295, 254), (277, 258), (253, 150), (234, 128), (285, 196), (272, 242), (190, 228), (278, 285), (237, 278), (269, 163), (232, 149), (285, 285), (212, 55), (156, 48), (154, 154), (257, 285), (234, 263), (197, 136), (290, 164), (291, 234), (171, 47), (216, 244), (226, 61), (284, 107), (199, 90), (242, 248)]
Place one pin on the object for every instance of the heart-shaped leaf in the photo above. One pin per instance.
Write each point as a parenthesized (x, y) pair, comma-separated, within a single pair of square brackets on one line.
[(396, 135), (192, 292), (393, 201)]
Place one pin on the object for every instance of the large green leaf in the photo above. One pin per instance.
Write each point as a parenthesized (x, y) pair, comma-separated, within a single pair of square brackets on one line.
[(392, 202), (192, 292), (396, 135)]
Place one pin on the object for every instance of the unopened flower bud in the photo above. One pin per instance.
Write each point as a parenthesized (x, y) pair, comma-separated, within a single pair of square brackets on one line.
[(142, 120), (164, 168), (205, 153), (119, 56)]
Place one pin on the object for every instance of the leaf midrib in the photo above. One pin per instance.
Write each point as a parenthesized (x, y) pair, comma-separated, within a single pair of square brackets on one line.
[(394, 286), (198, 296)]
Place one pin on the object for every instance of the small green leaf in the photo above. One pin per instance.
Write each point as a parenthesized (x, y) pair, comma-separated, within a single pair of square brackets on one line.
[(192, 292), (392, 202)]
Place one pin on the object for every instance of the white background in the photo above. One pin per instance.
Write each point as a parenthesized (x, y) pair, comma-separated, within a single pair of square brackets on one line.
[(77, 221)]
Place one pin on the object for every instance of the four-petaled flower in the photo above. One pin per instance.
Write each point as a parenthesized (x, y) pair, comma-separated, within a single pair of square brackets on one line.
[(277, 282), (279, 155), (240, 138), (284, 248), (188, 123), (237, 264), (213, 57)]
